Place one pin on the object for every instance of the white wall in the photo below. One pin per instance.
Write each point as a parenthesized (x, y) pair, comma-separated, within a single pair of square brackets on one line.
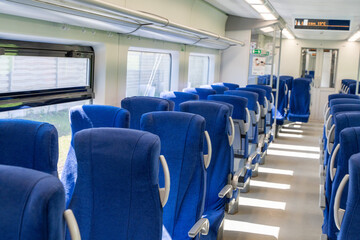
[(111, 48), (348, 58), (235, 60)]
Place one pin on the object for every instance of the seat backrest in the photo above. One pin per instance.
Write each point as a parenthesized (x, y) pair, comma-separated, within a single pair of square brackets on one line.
[(288, 80), (300, 97), (32, 204), (218, 126), (219, 89), (202, 92), (352, 88), (350, 224), (344, 108), (179, 97), (260, 92), (283, 98), (139, 105), (231, 86), (343, 101), (117, 184), (341, 95), (181, 135), (84, 117), (29, 144), (250, 96), (268, 90)]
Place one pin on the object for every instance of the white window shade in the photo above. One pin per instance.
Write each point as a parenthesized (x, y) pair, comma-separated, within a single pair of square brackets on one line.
[(148, 73)]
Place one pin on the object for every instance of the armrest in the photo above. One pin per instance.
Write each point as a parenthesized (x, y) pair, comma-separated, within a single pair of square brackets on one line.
[(201, 227), (226, 191), (338, 212), (330, 139), (72, 225), (332, 162), (258, 112), (207, 157), (164, 192), (328, 125), (267, 107), (232, 136)]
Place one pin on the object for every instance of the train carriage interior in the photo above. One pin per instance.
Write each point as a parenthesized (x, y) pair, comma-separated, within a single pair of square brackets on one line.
[(179, 119)]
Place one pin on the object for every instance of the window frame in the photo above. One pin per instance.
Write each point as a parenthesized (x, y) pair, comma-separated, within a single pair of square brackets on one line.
[(211, 67), (35, 98)]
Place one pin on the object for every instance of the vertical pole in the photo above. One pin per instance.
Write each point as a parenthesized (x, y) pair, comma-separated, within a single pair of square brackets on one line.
[(273, 57), (358, 79), (277, 82)]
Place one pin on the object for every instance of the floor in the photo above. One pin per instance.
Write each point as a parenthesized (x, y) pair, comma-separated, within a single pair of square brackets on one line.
[(283, 202)]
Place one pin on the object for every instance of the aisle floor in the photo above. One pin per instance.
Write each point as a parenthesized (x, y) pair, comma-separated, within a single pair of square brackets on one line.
[(283, 202)]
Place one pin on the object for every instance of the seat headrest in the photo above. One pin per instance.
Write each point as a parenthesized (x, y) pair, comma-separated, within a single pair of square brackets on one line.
[(202, 92), (117, 168), (94, 116), (179, 97), (349, 144), (239, 104), (344, 120), (268, 89), (341, 95), (252, 97), (231, 86), (348, 81), (29, 144), (344, 108), (139, 105), (216, 114), (219, 89), (352, 88), (337, 101), (32, 204), (260, 92)]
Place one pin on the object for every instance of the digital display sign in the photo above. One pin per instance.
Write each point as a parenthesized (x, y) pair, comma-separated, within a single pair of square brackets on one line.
[(322, 24)]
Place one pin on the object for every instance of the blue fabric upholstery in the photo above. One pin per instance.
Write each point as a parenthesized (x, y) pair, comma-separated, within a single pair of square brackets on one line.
[(282, 103), (352, 88), (350, 228), (217, 124), (29, 144), (181, 135), (179, 97), (268, 90), (343, 101), (231, 86), (348, 82), (202, 92), (139, 105), (300, 101), (32, 204), (219, 89), (116, 194), (261, 94), (84, 117), (239, 103), (251, 96), (349, 145), (341, 95), (344, 108), (288, 80)]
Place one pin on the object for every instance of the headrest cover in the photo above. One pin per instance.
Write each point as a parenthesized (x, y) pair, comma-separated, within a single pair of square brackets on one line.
[(179, 97), (252, 97), (239, 104), (29, 144), (139, 105)]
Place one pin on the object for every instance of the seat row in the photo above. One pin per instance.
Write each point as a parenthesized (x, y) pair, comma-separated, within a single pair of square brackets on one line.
[(338, 144)]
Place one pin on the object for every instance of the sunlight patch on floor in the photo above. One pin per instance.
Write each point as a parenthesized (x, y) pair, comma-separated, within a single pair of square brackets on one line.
[(293, 154), (240, 226), (275, 171), (289, 130), (294, 147), (254, 202), (257, 183), (289, 135)]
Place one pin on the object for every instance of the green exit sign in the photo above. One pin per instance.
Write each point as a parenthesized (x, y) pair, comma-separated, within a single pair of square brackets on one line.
[(257, 51)]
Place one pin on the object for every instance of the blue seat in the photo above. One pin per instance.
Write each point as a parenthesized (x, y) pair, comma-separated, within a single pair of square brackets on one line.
[(29, 144), (231, 86), (342, 122), (350, 228), (219, 89), (345, 85), (139, 105), (352, 88), (182, 147), (117, 184), (32, 205), (84, 117), (349, 145), (179, 97), (288, 80), (218, 124), (282, 107), (203, 93), (299, 110)]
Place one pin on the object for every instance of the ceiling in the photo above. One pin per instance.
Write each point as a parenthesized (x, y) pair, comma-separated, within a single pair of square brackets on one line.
[(291, 9)]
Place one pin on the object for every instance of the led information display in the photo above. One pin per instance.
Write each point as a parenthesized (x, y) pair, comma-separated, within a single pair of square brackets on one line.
[(322, 24)]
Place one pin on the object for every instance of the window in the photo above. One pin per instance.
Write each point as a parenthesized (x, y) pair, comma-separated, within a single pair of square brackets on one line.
[(199, 70), (148, 73), (38, 74)]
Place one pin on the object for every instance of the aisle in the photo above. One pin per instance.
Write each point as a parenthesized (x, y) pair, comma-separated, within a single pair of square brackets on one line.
[(283, 200)]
